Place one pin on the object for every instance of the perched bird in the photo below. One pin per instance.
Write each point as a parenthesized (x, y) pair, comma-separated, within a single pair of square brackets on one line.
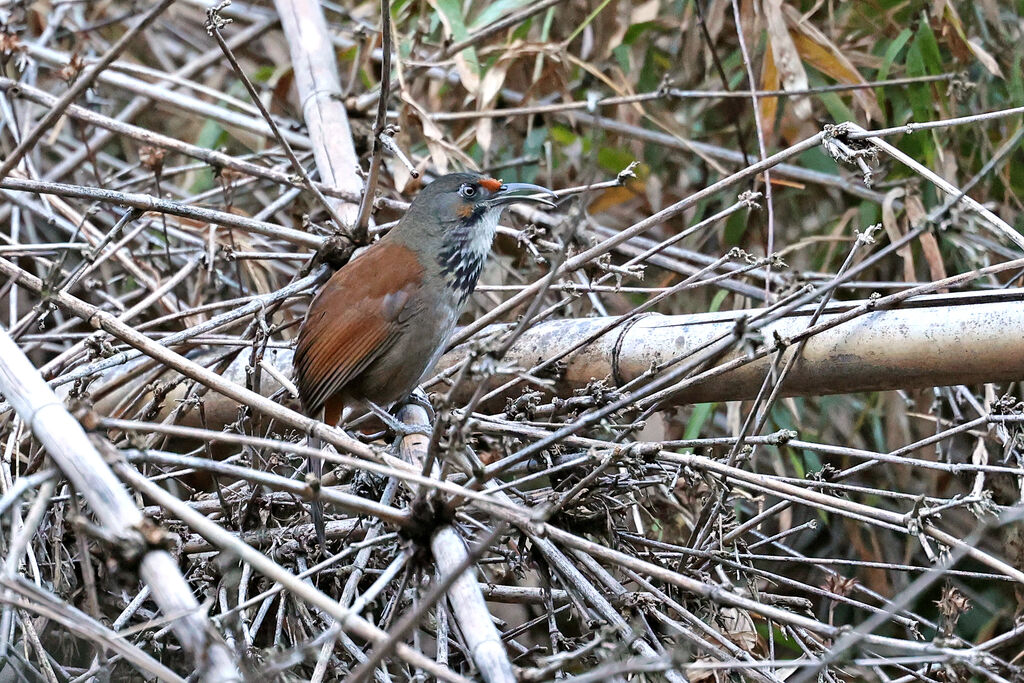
[(382, 321)]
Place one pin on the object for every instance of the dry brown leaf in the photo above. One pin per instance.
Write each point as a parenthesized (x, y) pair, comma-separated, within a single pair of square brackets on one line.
[(605, 32), (714, 18), (951, 28), (916, 215), (702, 675), (467, 74), (864, 542), (751, 21), (895, 231), (738, 627), (947, 24), (987, 60), (787, 60), (600, 75), (400, 175), (897, 424), (980, 454), (838, 231), (990, 9), (434, 136), (769, 105), (933, 257), (490, 86), (612, 197), (785, 182), (645, 11), (470, 81), (825, 56)]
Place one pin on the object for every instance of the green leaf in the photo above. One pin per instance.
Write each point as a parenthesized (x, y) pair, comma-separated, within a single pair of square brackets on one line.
[(563, 135), (919, 94), (650, 73), (868, 213), (1015, 87), (348, 55), (637, 30), (549, 19), (621, 54), (263, 74), (816, 160), (836, 107), (211, 136), (495, 10), (590, 18), (700, 415), (452, 11), (735, 228), (1016, 178), (929, 47), (891, 52), (521, 31), (716, 301), (614, 159)]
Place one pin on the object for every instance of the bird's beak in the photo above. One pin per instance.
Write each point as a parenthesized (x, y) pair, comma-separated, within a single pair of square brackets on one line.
[(522, 192)]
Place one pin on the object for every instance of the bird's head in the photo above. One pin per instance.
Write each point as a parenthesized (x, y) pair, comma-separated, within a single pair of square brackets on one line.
[(453, 220), (470, 201)]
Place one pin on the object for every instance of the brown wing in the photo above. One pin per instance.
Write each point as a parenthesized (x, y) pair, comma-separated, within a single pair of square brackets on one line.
[(355, 317)]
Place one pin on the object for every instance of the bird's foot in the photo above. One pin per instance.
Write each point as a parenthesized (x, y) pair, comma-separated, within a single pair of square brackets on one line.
[(401, 429), (419, 397)]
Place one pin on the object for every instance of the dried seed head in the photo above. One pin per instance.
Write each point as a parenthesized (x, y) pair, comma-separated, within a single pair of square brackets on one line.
[(10, 43), (952, 603), (152, 158), (951, 606), (70, 71), (840, 585)]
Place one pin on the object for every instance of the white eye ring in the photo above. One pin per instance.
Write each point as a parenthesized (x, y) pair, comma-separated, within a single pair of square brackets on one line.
[(467, 191)]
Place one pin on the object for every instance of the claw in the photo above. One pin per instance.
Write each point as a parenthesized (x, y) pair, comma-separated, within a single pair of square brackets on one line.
[(419, 397), (400, 428)]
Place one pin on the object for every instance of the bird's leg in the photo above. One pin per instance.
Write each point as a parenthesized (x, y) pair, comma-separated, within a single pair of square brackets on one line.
[(401, 429), (330, 414), (419, 397), (314, 470)]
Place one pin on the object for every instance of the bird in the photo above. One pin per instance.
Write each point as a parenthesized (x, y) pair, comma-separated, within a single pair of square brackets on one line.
[(382, 321)]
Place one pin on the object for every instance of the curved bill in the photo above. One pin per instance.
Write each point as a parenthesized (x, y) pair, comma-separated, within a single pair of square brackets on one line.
[(522, 192)]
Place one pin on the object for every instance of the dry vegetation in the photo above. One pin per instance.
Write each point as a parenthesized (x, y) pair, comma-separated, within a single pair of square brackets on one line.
[(624, 512)]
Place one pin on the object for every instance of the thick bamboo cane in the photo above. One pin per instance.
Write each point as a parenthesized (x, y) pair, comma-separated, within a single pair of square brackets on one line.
[(71, 451), (938, 340)]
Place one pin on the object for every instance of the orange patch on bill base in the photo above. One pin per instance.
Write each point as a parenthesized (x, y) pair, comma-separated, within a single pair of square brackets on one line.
[(490, 184)]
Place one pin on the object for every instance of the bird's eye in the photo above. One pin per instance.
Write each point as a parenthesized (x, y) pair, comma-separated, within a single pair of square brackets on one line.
[(467, 191)]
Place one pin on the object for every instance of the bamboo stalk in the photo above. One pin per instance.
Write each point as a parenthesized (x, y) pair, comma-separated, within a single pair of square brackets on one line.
[(937, 340), (318, 84), (632, 539), (963, 338), (215, 158), (464, 594), (174, 100), (70, 449), (263, 564)]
